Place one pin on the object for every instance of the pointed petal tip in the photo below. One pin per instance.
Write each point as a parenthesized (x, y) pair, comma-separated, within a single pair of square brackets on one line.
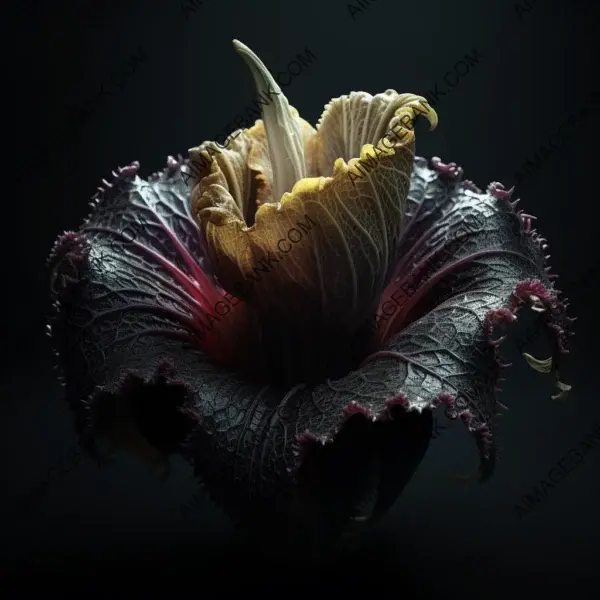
[(542, 366)]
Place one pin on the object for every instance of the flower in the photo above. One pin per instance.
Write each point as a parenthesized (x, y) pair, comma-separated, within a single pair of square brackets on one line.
[(299, 378), (281, 172)]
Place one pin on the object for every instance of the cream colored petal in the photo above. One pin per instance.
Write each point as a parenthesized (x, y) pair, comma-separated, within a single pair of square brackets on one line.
[(259, 159), (346, 229), (351, 121), (226, 166), (281, 123), (243, 169)]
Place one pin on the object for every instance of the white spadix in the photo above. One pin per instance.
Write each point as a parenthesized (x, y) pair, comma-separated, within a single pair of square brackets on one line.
[(282, 126)]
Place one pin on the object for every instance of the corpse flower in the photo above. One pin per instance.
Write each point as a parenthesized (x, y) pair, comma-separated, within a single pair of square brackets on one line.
[(287, 311)]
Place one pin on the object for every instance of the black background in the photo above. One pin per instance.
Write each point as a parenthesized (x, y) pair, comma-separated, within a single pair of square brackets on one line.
[(444, 536)]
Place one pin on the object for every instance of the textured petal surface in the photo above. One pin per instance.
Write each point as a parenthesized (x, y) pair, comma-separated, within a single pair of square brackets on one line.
[(126, 330), (226, 168), (331, 241), (349, 122)]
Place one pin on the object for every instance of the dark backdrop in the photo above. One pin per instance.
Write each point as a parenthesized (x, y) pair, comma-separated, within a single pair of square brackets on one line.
[(91, 86)]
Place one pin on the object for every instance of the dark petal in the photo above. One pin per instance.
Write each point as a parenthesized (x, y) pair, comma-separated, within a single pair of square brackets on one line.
[(468, 262), (135, 269), (126, 329)]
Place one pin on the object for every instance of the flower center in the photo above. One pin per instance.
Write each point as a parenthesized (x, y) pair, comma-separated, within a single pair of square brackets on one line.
[(283, 128)]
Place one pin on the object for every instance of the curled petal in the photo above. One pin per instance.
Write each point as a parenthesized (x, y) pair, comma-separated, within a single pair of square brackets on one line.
[(350, 122), (331, 240), (127, 330)]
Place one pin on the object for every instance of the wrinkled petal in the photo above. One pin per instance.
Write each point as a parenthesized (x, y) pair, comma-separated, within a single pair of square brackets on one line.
[(126, 330), (227, 168), (350, 122), (331, 241)]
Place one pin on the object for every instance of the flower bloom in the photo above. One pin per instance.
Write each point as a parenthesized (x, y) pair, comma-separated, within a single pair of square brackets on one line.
[(288, 311)]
